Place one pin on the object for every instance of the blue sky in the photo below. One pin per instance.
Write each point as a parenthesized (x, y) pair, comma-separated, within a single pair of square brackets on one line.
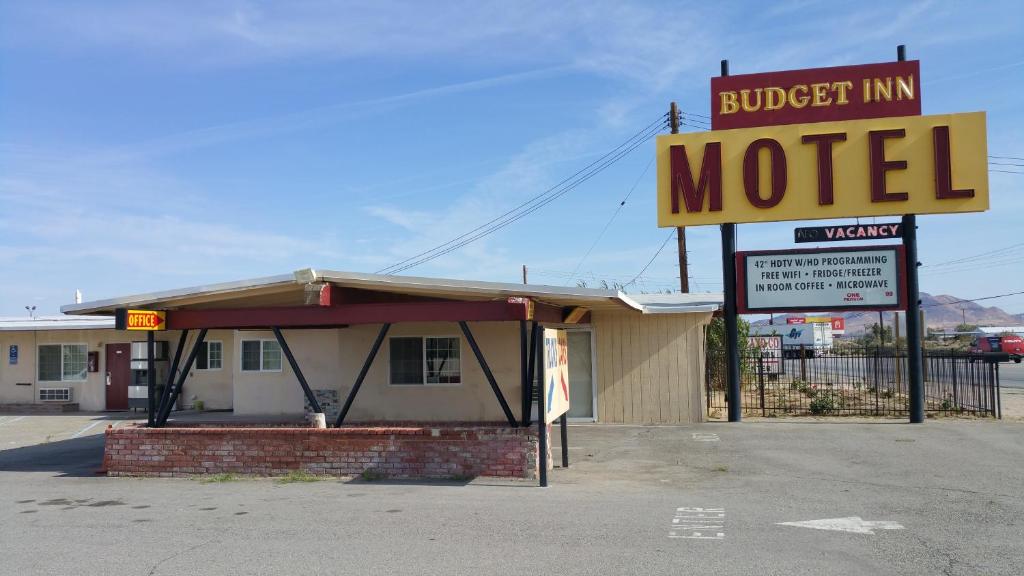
[(148, 145)]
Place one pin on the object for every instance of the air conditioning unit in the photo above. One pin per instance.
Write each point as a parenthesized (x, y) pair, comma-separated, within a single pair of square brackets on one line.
[(55, 394)]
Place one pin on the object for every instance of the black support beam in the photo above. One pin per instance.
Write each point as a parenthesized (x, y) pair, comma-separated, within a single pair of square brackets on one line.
[(168, 384), (295, 368), (362, 374), (180, 383), (488, 374)]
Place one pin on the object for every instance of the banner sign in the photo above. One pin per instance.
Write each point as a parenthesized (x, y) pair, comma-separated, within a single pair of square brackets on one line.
[(140, 320), (556, 374), (833, 279), (857, 168), (838, 325), (854, 232), (770, 348), (795, 320), (816, 95)]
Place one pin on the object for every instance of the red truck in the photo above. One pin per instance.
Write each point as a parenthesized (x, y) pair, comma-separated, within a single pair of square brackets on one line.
[(1011, 344)]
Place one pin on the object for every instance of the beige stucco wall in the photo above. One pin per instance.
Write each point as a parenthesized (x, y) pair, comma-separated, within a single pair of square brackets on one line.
[(649, 367), (649, 370), (213, 387), (333, 358), (90, 394)]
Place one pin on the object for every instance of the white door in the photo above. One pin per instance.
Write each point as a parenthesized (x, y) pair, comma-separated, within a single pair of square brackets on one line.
[(581, 374)]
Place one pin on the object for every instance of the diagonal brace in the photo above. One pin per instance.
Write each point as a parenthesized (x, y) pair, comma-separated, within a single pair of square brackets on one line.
[(162, 417), (487, 372), (295, 368), (362, 374)]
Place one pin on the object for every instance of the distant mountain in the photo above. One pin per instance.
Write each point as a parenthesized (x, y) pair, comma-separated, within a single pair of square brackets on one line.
[(941, 312)]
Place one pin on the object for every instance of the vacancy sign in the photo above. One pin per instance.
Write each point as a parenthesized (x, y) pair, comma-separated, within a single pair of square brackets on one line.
[(556, 374), (823, 279), (143, 320)]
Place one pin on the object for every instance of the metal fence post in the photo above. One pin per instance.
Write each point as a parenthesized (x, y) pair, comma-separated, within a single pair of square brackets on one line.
[(803, 362), (760, 379)]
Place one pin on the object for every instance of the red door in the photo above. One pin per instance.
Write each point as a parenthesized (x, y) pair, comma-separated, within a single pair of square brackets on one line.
[(119, 364)]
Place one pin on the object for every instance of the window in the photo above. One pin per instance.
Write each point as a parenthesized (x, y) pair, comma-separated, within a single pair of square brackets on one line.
[(62, 362), (211, 355), (429, 360), (261, 356)]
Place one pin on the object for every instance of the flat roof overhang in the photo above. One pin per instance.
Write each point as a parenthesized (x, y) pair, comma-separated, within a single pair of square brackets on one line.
[(363, 313)]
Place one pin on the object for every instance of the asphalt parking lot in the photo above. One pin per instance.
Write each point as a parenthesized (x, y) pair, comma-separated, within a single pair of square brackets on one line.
[(939, 498)]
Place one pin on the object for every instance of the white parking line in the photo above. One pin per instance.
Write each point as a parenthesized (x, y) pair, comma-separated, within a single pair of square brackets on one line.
[(12, 421), (87, 428), (705, 437)]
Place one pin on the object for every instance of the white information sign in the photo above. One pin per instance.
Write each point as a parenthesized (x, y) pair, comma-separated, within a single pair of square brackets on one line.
[(556, 374), (770, 348), (825, 279)]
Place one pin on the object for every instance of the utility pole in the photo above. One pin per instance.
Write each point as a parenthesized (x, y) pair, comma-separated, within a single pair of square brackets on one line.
[(684, 268), (524, 274)]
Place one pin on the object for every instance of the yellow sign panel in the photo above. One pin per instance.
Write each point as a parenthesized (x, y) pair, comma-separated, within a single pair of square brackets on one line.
[(145, 320), (875, 167), (818, 319)]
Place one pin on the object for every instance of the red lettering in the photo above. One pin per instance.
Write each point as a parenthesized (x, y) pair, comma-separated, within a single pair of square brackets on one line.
[(879, 165), (824, 143), (710, 183), (751, 165), (943, 172)]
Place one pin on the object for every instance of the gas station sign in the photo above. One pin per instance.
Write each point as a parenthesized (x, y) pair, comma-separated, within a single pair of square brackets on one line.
[(825, 279)]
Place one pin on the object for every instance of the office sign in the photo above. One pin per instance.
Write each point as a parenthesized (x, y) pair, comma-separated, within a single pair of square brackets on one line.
[(816, 95), (855, 168), (833, 279), (556, 374), (853, 232), (12, 354), (769, 349), (144, 320)]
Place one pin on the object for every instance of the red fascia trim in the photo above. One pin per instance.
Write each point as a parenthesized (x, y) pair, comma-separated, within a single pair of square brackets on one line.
[(305, 316)]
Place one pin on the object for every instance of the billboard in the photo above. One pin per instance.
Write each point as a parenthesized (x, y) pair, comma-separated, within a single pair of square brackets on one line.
[(854, 168), (556, 374), (827, 279)]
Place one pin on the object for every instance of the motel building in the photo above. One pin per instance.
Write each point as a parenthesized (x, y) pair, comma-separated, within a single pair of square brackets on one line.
[(401, 367)]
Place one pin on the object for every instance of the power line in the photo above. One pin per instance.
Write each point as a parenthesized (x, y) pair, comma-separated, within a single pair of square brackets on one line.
[(976, 256), (612, 219), (973, 299), (505, 221), (672, 233), (1006, 157), (533, 203)]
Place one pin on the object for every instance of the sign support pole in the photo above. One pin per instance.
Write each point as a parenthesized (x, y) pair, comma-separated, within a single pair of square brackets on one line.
[(732, 340), (150, 379), (542, 425), (913, 317)]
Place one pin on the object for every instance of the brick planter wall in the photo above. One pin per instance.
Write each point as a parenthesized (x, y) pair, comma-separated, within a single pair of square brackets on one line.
[(427, 451)]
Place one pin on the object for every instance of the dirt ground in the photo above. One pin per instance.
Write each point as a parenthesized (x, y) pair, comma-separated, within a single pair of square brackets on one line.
[(1013, 404)]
